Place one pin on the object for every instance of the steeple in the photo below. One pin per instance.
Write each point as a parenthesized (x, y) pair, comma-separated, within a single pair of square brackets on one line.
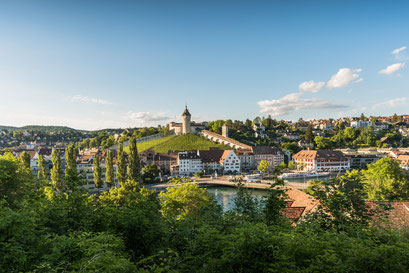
[(186, 112)]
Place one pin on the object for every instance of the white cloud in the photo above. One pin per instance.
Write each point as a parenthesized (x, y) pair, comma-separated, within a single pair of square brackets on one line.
[(147, 118), (293, 102), (392, 68), (391, 103), (311, 86), (398, 50), (343, 77), (85, 99)]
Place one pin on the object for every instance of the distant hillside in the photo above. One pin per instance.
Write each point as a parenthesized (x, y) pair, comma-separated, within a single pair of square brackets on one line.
[(180, 143), (39, 128), (2, 127)]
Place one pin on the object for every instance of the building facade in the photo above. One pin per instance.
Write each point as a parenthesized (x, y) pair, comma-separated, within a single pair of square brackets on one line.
[(321, 160)]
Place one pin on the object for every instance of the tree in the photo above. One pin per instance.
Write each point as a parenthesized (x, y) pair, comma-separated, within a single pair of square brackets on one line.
[(291, 165), (109, 165), (323, 142), (71, 174), (291, 146), (343, 201), (134, 165), (25, 159), (263, 166), (15, 179), (42, 169), (121, 165), (150, 173), (184, 200), (275, 202), (395, 118), (309, 134), (97, 172), (384, 180), (56, 171)]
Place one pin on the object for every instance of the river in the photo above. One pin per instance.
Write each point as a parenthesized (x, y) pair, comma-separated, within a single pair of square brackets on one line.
[(225, 195)]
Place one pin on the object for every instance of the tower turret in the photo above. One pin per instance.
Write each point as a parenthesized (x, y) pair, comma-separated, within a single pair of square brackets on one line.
[(186, 121)]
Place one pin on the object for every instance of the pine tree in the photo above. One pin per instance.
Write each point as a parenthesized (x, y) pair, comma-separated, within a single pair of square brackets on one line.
[(134, 165), (121, 165), (71, 175), (25, 159), (109, 165), (56, 171), (308, 134), (42, 169), (395, 118), (97, 172)]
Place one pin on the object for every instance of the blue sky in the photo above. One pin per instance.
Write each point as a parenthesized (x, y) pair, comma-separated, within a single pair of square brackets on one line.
[(99, 64)]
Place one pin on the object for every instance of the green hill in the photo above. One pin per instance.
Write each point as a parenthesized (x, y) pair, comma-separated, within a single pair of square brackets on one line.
[(179, 143)]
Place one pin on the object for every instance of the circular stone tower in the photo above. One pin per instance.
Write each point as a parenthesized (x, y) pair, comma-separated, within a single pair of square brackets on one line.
[(186, 121)]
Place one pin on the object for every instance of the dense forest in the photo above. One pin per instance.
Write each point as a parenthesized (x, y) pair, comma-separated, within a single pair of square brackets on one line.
[(53, 227)]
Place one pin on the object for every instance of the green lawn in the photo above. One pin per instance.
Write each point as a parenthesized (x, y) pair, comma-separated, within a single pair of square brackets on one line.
[(180, 143)]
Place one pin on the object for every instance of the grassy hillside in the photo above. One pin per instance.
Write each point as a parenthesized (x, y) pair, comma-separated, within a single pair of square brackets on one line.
[(180, 143), (150, 144)]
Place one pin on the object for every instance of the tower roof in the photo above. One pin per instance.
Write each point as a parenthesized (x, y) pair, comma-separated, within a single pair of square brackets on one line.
[(186, 112)]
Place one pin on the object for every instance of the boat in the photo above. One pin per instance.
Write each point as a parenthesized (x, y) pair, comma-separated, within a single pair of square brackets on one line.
[(304, 174)]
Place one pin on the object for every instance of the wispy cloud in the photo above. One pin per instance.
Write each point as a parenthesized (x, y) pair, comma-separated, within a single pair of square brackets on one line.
[(343, 77), (391, 103), (147, 118), (392, 68), (86, 99), (398, 50), (311, 86), (294, 102)]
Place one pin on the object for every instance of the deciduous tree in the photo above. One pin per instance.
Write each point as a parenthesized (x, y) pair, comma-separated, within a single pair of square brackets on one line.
[(384, 180)]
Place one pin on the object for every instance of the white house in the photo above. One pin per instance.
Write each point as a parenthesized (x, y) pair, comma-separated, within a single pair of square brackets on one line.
[(360, 123), (189, 163), (321, 160), (230, 161)]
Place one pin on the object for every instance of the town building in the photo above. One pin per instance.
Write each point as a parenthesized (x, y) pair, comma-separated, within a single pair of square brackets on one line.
[(360, 161), (274, 156), (321, 160), (259, 130), (360, 124), (189, 163), (246, 159)]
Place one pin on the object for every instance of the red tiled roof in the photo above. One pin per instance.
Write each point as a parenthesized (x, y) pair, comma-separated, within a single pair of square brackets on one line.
[(301, 199), (396, 213), (320, 154)]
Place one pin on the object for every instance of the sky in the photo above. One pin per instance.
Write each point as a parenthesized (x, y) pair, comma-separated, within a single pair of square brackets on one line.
[(117, 64)]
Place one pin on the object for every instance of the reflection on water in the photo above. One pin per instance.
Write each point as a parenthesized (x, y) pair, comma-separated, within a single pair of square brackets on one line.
[(225, 195), (307, 179)]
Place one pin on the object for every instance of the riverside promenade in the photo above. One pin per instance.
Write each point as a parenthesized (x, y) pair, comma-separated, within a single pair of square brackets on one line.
[(264, 185)]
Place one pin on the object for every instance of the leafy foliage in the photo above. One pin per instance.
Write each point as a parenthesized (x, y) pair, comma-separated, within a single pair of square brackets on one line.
[(384, 180)]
